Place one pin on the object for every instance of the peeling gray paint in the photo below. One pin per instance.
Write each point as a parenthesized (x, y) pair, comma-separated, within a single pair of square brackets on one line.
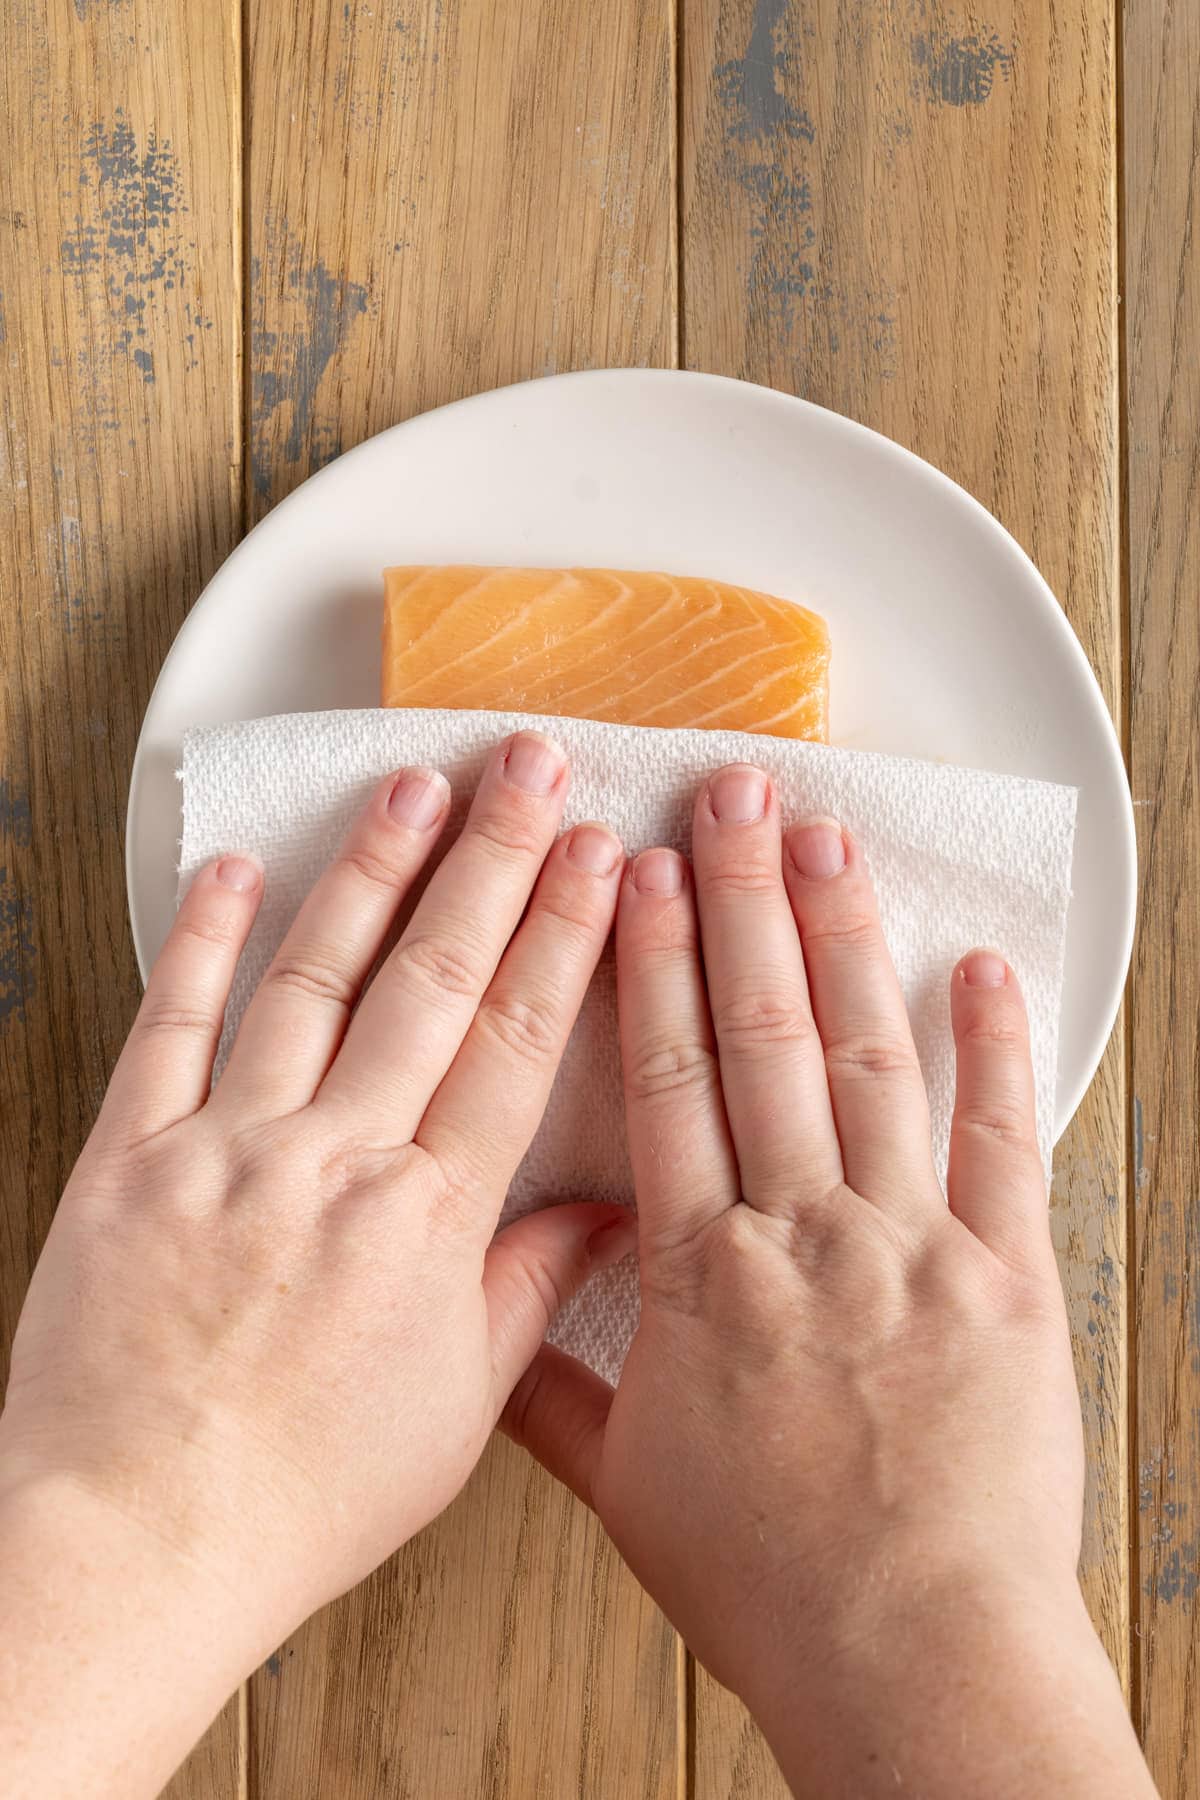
[(17, 951), (758, 106), (751, 86), (1178, 1575), (288, 364), (16, 820), (128, 246), (137, 192), (961, 71)]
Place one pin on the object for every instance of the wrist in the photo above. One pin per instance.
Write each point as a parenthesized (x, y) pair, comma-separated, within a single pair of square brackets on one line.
[(96, 1604), (959, 1683), (212, 1517)]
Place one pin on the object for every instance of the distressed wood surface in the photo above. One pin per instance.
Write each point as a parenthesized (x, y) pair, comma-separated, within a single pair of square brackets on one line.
[(453, 196), (120, 329), (506, 1652), (907, 213), (1161, 282)]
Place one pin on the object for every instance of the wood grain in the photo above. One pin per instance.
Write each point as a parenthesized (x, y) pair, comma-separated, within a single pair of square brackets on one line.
[(120, 327), (1161, 281), (907, 213), (455, 196), (505, 1652), (448, 198)]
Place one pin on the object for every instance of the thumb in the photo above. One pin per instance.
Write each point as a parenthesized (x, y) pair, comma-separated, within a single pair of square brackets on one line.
[(534, 1266), (558, 1411), (549, 1403)]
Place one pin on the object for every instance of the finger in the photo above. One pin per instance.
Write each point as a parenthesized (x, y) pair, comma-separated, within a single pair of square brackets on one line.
[(772, 1070), (875, 1080), (294, 1024), (534, 1267), (165, 1070), (414, 1017), (483, 1117), (684, 1168), (558, 1412), (996, 1182)]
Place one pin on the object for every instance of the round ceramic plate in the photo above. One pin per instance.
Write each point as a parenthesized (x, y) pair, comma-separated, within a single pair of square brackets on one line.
[(947, 642)]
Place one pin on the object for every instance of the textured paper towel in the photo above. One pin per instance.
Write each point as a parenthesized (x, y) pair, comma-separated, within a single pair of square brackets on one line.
[(959, 857)]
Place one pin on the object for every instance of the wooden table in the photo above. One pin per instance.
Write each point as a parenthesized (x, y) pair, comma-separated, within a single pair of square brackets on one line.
[(240, 235)]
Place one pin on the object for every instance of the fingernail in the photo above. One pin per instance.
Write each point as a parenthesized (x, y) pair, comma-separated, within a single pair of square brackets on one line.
[(817, 849), (533, 763), (241, 873), (419, 798), (984, 969), (612, 1241), (594, 848), (658, 872), (738, 794)]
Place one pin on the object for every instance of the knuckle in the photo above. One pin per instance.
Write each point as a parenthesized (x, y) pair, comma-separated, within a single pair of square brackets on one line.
[(750, 1018), (509, 836), (208, 930), (870, 1054), (524, 1026), (673, 1069), (854, 931), (573, 911), (351, 1166), (172, 1015), (999, 1030), (374, 869), (741, 880), (438, 968), (998, 1122), (662, 953), (309, 978), (677, 1268), (697, 1271), (456, 1210), (550, 1287)]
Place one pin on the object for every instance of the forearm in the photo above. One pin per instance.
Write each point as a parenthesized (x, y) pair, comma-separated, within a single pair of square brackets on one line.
[(981, 1697), (116, 1649)]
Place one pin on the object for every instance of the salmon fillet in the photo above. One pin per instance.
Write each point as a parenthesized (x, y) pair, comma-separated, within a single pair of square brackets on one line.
[(631, 649)]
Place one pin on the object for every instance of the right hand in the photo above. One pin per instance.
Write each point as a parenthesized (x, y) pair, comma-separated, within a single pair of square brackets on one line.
[(845, 1451)]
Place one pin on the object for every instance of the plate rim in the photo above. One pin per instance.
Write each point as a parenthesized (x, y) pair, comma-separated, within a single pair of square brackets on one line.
[(853, 430)]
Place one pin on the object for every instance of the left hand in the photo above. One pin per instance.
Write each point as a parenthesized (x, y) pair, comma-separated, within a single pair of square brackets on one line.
[(269, 1325)]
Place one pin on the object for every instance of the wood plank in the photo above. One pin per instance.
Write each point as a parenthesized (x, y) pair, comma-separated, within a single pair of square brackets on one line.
[(448, 198), (1161, 285), (455, 197), (908, 215), (506, 1651), (120, 327)]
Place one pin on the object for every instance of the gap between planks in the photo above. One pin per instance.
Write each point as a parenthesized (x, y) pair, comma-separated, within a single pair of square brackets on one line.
[(1124, 727)]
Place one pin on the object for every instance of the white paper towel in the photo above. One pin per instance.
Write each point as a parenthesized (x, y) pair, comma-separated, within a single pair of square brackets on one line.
[(959, 857)]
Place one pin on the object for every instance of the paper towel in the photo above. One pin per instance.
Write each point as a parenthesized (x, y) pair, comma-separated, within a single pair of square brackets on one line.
[(959, 857)]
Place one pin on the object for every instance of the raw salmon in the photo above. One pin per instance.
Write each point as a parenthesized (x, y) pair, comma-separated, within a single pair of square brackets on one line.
[(632, 649)]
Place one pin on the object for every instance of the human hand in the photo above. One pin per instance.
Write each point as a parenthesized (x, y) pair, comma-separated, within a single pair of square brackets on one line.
[(845, 1452), (269, 1327)]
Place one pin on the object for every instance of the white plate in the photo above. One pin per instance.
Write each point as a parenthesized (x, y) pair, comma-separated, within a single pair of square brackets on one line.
[(947, 642)]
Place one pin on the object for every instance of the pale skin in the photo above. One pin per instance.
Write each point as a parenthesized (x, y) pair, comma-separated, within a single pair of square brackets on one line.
[(271, 1330)]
